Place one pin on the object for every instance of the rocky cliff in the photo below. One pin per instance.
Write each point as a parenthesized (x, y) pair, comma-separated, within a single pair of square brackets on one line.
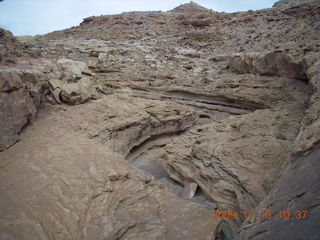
[(141, 125)]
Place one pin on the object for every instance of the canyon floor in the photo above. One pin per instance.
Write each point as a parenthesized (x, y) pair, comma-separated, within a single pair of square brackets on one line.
[(145, 125)]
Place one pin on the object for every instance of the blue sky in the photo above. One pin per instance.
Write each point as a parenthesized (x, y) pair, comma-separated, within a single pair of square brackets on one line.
[(31, 17)]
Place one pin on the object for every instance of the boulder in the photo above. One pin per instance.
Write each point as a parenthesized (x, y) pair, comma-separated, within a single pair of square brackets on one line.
[(73, 69), (17, 110), (72, 94), (76, 93), (17, 105), (9, 80)]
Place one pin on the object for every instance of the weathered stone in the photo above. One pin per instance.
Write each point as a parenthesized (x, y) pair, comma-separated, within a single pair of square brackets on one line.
[(177, 112), (9, 80), (74, 69), (17, 110), (83, 185), (270, 63), (30, 76), (221, 160), (56, 95), (72, 94), (189, 190), (309, 135), (296, 192), (55, 83)]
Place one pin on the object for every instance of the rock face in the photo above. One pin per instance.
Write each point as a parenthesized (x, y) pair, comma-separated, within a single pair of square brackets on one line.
[(296, 195), (271, 63), (17, 107), (308, 136), (221, 160), (95, 193), (163, 125)]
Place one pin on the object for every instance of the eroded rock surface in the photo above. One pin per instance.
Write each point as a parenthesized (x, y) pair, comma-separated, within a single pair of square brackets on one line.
[(132, 111), (17, 106), (81, 189), (310, 126), (297, 192), (272, 63)]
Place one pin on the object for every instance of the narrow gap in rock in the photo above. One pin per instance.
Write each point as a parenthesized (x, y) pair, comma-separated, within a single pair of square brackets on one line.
[(148, 156), (203, 116)]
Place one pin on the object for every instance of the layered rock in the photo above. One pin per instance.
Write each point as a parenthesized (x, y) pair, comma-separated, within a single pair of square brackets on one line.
[(73, 69), (17, 107), (308, 136), (270, 63), (218, 111), (81, 189), (293, 204), (234, 167)]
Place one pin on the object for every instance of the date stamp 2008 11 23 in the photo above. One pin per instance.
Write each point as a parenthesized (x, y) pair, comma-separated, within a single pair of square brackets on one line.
[(262, 215)]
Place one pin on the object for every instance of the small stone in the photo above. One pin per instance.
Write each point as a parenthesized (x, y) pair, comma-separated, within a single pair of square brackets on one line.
[(189, 190)]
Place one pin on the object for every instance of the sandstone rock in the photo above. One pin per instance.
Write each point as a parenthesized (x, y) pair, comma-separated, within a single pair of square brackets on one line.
[(85, 83), (296, 192), (74, 69), (85, 189), (72, 94), (19, 97), (173, 114), (56, 95), (77, 93), (89, 87), (30, 76), (9, 80), (125, 134), (17, 110), (271, 63), (308, 136), (55, 86), (189, 190), (219, 158), (55, 83)]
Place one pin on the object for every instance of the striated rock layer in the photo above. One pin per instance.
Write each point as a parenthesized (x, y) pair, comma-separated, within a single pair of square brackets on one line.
[(140, 125)]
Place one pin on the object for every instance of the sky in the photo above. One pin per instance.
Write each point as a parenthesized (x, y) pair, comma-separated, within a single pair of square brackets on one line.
[(32, 17)]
